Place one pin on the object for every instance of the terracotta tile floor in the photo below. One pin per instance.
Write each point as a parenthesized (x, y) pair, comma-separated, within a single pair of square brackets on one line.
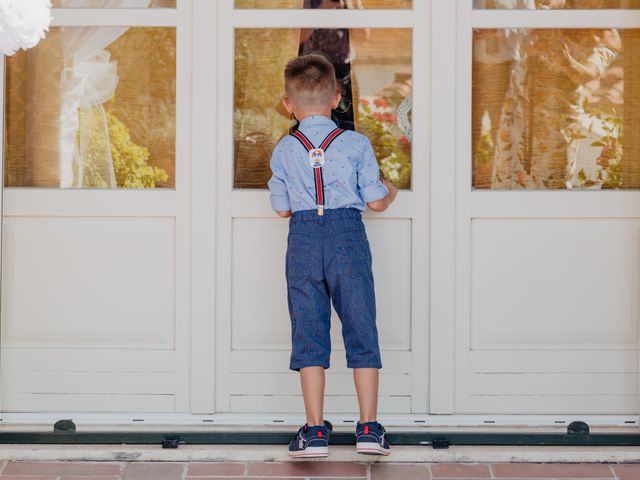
[(316, 470)]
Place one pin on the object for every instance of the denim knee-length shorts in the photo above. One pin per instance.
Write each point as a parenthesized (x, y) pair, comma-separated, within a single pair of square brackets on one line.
[(329, 260)]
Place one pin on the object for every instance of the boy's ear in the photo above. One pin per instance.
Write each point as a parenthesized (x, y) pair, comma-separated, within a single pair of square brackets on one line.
[(287, 104), (336, 99)]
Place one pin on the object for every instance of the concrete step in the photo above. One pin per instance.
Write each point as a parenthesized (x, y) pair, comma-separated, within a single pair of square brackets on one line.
[(278, 453)]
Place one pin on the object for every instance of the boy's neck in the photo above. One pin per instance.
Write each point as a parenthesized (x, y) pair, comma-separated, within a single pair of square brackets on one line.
[(304, 115)]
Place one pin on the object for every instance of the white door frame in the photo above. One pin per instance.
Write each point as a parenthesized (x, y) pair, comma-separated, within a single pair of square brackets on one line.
[(254, 203), (442, 232), (203, 206), (2, 144), (452, 202)]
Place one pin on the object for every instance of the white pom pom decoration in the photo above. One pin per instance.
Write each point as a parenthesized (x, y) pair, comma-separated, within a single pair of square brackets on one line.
[(23, 24)]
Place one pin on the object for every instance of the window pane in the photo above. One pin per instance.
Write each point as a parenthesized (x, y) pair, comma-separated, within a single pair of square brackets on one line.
[(550, 107), (92, 107), (114, 3), (370, 4), (555, 4), (374, 68)]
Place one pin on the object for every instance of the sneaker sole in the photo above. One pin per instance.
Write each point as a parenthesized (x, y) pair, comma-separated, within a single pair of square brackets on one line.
[(367, 448), (311, 452)]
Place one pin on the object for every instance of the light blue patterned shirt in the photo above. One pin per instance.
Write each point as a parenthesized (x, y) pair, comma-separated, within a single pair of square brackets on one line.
[(351, 174)]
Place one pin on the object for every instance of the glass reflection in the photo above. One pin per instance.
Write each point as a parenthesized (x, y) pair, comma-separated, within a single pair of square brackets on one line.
[(555, 4), (92, 107), (373, 67), (114, 3), (550, 107), (348, 4)]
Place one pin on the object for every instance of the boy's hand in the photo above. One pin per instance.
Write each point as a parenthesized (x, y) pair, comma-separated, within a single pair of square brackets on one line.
[(393, 190), (285, 214)]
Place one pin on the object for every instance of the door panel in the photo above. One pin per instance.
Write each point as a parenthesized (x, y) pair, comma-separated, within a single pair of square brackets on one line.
[(553, 314), (261, 324), (92, 278), (333, 405), (96, 222), (575, 273), (253, 326), (546, 276)]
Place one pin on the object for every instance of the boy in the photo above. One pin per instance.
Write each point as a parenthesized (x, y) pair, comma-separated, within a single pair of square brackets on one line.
[(323, 177)]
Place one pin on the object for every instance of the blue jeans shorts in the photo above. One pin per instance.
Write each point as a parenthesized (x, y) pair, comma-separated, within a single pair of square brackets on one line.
[(328, 260)]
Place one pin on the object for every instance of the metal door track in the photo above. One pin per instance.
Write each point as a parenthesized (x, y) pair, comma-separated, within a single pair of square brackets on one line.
[(577, 435)]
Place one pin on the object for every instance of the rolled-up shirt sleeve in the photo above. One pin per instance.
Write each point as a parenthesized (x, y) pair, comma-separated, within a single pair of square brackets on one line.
[(279, 197), (369, 183)]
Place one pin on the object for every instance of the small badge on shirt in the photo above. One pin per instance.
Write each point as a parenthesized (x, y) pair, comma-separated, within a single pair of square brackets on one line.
[(316, 157)]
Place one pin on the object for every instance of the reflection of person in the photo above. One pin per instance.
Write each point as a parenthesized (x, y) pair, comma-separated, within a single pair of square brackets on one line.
[(336, 45), (503, 4), (328, 257), (404, 117), (494, 51), (537, 139)]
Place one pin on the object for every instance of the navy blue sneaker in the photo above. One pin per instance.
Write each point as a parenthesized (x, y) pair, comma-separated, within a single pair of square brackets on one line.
[(371, 440), (310, 442)]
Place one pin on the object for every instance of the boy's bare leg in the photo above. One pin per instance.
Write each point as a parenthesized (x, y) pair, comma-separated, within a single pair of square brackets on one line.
[(366, 380), (312, 381)]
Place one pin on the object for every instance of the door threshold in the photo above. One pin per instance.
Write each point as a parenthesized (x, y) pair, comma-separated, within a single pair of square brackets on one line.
[(67, 431), (145, 420)]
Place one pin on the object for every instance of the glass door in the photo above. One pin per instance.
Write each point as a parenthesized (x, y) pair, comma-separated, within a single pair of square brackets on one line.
[(96, 222), (379, 51), (547, 208)]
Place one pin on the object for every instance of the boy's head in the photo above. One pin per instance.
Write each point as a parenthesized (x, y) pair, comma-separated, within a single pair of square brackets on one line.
[(310, 83)]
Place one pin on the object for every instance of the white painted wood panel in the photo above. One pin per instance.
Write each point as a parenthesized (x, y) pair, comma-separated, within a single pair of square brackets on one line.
[(96, 284), (104, 383), (552, 326), (552, 361), (203, 238), (89, 282), (555, 284), (333, 405), (336, 384), (2, 201), (65, 402), (243, 361), (89, 314), (530, 406), (442, 233), (92, 360), (546, 282), (555, 384)]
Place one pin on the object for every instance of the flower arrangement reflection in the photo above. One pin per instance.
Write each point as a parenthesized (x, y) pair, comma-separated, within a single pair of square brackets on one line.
[(603, 134), (377, 120), (130, 167)]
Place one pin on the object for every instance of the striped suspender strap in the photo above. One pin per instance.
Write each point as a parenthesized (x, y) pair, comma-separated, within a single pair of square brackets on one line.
[(317, 169)]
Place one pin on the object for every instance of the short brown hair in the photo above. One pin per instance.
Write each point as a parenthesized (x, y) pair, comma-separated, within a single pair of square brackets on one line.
[(310, 79)]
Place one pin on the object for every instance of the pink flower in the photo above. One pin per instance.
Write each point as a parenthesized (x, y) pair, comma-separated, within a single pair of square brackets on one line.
[(380, 102), (388, 117), (364, 102)]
